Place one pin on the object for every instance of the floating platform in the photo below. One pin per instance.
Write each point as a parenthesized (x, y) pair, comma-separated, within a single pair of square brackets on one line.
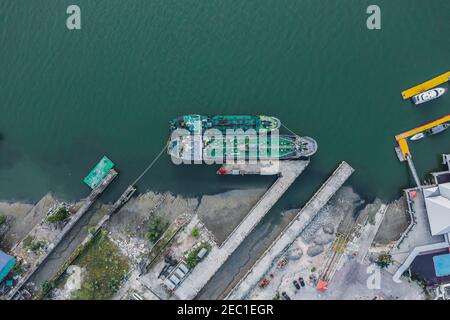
[(427, 85), (100, 171), (402, 137), (399, 154)]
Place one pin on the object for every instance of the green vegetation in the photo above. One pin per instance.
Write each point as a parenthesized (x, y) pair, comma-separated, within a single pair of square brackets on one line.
[(159, 247), (191, 257), (384, 260), (47, 286), (106, 269), (195, 232), (419, 280), (91, 230), (33, 245), (313, 269), (276, 296), (60, 273), (19, 268), (155, 229), (60, 215), (2, 219)]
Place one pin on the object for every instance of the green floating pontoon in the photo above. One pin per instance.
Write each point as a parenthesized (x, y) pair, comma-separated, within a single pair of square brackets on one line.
[(97, 174)]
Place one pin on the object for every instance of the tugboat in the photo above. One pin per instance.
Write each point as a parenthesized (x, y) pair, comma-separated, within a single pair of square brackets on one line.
[(435, 130), (428, 95)]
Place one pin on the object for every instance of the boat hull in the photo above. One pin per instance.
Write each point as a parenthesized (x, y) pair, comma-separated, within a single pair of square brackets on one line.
[(428, 96), (284, 147), (430, 132)]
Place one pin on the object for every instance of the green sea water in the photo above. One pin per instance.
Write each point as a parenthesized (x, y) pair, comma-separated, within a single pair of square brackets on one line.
[(69, 97)]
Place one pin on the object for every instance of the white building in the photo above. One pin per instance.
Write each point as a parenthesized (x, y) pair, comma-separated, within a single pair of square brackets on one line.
[(437, 202)]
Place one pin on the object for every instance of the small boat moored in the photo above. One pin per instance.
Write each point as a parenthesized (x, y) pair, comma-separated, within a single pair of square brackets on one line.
[(437, 129), (428, 95)]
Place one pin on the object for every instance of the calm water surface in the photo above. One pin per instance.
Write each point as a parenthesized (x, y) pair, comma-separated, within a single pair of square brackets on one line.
[(68, 97)]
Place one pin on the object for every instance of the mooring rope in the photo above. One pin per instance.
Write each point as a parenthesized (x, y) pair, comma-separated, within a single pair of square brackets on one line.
[(150, 165), (284, 126)]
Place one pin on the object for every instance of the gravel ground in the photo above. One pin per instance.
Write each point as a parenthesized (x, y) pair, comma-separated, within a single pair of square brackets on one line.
[(344, 202), (395, 221)]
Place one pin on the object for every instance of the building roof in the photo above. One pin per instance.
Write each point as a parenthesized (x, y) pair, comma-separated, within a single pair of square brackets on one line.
[(6, 264), (437, 202)]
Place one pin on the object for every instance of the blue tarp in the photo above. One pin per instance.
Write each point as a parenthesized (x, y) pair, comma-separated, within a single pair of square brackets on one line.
[(442, 265), (6, 264)]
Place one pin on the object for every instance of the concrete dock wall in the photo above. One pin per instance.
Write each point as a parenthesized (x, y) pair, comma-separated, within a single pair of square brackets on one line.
[(203, 272), (291, 232)]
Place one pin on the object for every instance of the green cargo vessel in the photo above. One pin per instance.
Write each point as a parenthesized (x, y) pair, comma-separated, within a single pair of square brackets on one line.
[(200, 123), (197, 148)]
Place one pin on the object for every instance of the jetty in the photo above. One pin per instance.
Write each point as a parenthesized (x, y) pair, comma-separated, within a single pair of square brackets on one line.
[(403, 151), (191, 286), (427, 85), (402, 137), (283, 242)]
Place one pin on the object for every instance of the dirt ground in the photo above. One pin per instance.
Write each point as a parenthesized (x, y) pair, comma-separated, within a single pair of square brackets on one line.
[(221, 213), (395, 221), (134, 217), (213, 216), (309, 252), (21, 218), (352, 279)]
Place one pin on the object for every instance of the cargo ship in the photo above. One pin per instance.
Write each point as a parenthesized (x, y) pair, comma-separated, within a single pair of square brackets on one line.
[(283, 147), (195, 123)]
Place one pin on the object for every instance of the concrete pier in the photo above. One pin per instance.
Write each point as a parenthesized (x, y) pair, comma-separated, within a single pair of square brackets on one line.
[(291, 232), (413, 170), (202, 273), (95, 193)]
